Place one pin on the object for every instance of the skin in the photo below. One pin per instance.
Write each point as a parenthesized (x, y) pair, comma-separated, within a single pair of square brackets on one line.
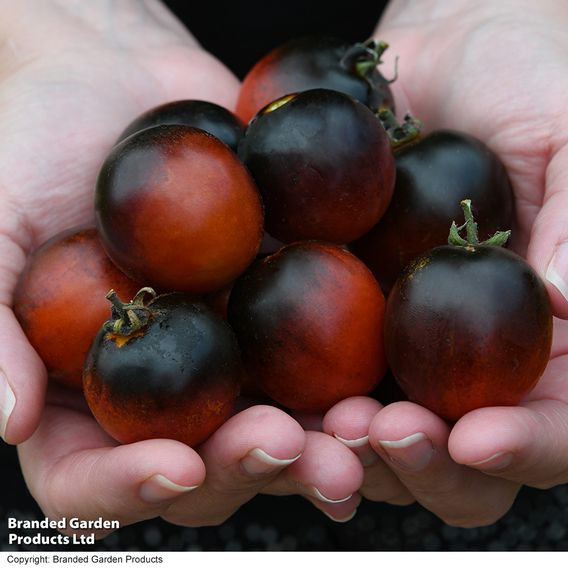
[(503, 58), (56, 101), (477, 467)]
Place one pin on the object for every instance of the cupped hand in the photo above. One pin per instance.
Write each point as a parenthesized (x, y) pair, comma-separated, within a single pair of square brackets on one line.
[(73, 75), (73, 469), (497, 71)]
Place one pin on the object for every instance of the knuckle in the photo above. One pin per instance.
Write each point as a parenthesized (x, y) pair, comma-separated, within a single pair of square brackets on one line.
[(387, 494), (199, 518), (402, 500), (473, 519)]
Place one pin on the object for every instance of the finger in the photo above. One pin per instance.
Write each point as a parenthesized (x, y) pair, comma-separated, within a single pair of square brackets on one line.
[(413, 441), (327, 473), (23, 379), (339, 512), (74, 470), (526, 444), (349, 422), (548, 247), (241, 458)]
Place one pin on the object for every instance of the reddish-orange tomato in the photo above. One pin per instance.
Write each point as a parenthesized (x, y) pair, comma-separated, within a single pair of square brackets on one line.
[(177, 210), (433, 174), (466, 327), (60, 300), (167, 368), (309, 320), (315, 62)]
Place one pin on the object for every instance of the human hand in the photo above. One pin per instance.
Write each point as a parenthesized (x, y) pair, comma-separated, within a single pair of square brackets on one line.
[(92, 72), (497, 71), (74, 74), (73, 469)]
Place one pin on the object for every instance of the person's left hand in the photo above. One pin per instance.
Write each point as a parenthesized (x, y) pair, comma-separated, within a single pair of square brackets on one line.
[(468, 475), (488, 69)]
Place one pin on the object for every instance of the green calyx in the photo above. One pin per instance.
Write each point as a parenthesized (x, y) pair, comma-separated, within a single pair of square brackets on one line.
[(363, 58), (130, 317), (499, 239), (400, 135)]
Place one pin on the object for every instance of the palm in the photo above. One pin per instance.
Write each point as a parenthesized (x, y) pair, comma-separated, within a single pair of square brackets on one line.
[(62, 125), (459, 90), (486, 77), (494, 73), (67, 91)]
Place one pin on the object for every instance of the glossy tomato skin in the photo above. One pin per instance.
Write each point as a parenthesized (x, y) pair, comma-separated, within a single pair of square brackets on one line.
[(433, 176), (212, 118), (178, 378), (176, 210), (323, 164), (309, 320), (60, 300), (468, 327), (306, 63)]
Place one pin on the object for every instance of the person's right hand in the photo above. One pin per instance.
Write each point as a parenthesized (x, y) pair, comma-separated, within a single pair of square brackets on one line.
[(73, 74)]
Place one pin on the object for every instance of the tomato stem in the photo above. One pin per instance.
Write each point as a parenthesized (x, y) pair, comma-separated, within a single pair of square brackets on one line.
[(128, 318), (400, 135), (472, 235), (363, 58)]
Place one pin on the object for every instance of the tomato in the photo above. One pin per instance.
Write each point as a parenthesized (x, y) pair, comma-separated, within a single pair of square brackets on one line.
[(177, 210), (207, 116), (60, 300), (309, 321), (316, 62), (323, 164), (466, 327), (167, 368), (433, 174)]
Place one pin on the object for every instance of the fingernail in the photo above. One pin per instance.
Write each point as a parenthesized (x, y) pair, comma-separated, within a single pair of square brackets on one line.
[(7, 403), (558, 269), (315, 492), (159, 488), (338, 519), (412, 453), (496, 462), (367, 456), (258, 462), (355, 443)]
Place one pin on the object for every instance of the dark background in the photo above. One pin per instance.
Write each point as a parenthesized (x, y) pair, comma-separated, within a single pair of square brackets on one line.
[(537, 521), (239, 33)]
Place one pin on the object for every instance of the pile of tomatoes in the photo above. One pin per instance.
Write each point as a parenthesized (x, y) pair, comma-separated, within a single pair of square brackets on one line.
[(259, 258)]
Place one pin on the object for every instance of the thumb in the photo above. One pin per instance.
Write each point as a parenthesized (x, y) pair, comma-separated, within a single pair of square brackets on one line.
[(74, 470), (525, 444), (23, 376), (548, 247)]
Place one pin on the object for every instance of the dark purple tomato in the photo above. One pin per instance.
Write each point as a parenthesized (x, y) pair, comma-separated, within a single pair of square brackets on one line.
[(316, 62), (309, 321), (432, 176), (467, 327), (175, 208), (168, 368), (60, 300), (323, 164), (207, 116)]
